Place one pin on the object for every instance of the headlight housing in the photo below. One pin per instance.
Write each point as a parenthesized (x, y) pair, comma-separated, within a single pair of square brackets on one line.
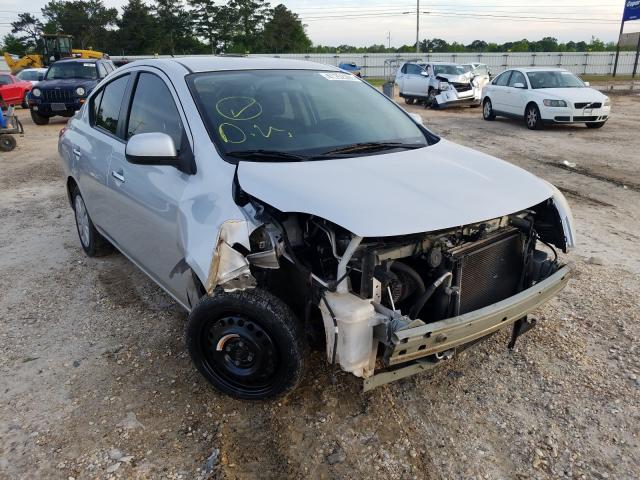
[(607, 102), (554, 103), (80, 91), (36, 92), (442, 86)]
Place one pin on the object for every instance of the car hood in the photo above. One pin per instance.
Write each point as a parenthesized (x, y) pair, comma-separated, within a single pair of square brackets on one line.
[(454, 78), (441, 186), (68, 83), (574, 94)]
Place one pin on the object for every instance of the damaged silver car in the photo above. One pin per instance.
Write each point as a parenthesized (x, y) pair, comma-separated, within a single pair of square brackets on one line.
[(251, 193)]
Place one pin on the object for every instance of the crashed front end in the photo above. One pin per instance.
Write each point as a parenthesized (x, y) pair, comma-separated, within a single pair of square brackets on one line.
[(461, 91), (389, 307)]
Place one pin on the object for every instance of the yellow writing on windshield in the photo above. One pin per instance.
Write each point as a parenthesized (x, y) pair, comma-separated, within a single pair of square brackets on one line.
[(239, 108), (230, 133)]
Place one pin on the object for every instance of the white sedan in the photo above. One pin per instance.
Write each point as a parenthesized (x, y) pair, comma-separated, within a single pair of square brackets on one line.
[(544, 96)]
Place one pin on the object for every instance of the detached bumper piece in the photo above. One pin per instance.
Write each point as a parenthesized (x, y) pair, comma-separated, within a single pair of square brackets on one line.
[(443, 337)]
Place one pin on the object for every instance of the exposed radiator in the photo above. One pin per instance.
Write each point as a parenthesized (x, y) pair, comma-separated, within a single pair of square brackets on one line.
[(489, 270)]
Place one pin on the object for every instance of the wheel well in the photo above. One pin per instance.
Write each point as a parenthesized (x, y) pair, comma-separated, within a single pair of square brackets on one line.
[(71, 186), (486, 99), (531, 103)]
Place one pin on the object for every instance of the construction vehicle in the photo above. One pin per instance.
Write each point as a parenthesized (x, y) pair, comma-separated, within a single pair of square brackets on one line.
[(53, 47)]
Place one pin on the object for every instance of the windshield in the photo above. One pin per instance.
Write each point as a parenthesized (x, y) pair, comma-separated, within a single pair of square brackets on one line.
[(63, 70), (554, 79), (448, 70), (299, 112)]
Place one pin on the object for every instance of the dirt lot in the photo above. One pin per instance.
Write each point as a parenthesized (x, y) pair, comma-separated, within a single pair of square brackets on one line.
[(95, 381)]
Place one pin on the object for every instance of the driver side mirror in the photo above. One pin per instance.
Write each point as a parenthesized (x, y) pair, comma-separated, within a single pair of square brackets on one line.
[(416, 117), (424, 74), (152, 149), (518, 85)]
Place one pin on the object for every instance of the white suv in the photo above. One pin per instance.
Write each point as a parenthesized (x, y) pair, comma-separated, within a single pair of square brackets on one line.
[(544, 95)]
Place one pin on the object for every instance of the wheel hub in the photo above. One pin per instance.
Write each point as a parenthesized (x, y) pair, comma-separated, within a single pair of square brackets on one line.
[(241, 352)]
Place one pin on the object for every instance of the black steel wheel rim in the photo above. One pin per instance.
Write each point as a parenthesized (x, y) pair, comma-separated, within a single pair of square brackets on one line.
[(241, 355)]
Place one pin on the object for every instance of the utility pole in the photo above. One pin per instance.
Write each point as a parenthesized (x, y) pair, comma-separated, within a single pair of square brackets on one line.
[(389, 39), (418, 27)]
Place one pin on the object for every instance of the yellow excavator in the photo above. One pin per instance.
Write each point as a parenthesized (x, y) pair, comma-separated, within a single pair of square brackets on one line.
[(53, 47)]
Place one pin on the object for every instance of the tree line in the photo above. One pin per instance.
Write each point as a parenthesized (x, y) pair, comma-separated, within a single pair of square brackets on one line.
[(204, 26), (163, 26)]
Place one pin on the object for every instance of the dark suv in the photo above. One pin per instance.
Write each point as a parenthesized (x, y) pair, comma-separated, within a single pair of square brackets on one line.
[(65, 87)]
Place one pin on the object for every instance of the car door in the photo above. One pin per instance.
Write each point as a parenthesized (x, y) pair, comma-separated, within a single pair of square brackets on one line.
[(416, 82), (144, 199), (516, 97), (92, 147), (400, 78), (499, 91)]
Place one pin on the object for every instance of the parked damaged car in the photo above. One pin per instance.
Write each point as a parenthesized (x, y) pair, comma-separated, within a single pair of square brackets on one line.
[(249, 192), (439, 84)]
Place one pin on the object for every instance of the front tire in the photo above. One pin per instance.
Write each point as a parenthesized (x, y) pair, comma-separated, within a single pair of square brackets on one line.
[(595, 124), (532, 117), (409, 100), (39, 119), (25, 102), (487, 110), (247, 343), (431, 99), (93, 244)]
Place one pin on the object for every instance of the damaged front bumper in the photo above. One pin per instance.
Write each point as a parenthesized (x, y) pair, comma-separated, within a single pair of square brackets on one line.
[(414, 344), (452, 97)]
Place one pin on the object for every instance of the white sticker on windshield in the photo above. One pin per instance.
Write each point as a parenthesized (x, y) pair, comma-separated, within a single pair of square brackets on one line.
[(88, 64), (338, 76)]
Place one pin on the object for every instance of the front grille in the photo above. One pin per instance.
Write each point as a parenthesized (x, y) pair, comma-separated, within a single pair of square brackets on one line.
[(488, 270), (589, 104), (462, 87), (57, 95)]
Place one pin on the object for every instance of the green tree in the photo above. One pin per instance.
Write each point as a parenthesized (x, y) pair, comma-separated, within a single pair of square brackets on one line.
[(87, 20), (30, 29), (284, 32), (252, 15), (11, 44), (137, 30), (174, 25)]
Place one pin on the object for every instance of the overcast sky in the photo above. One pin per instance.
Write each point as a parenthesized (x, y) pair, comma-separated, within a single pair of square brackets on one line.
[(359, 23)]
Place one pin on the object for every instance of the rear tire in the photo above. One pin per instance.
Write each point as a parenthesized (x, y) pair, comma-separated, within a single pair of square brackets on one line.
[(247, 343), (532, 117), (93, 244), (7, 143), (595, 124), (39, 119), (487, 110)]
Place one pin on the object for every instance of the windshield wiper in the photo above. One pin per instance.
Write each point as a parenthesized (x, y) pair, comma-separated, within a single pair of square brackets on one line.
[(371, 147), (267, 156)]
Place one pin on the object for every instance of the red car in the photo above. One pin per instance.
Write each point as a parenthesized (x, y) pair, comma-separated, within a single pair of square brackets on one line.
[(13, 90)]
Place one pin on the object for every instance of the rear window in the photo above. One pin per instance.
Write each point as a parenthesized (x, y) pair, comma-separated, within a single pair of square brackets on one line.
[(5, 80)]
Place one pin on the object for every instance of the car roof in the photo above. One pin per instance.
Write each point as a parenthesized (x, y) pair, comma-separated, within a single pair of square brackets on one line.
[(76, 60), (36, 69), (225, 63)]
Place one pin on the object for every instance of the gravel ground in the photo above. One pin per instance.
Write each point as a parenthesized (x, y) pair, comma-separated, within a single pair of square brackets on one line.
[(95, 381)]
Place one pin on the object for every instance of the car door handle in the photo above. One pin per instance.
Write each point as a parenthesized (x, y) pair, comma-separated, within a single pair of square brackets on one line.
[(118, 175), (77, 152)]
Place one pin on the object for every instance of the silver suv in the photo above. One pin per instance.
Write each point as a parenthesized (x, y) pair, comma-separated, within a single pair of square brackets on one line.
[(251, 194)]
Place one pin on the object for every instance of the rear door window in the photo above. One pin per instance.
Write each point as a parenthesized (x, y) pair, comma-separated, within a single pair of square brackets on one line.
[(108, 113)]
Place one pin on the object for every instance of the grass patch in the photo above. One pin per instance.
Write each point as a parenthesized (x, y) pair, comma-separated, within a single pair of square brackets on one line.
[(375, 81), (608, 78)]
